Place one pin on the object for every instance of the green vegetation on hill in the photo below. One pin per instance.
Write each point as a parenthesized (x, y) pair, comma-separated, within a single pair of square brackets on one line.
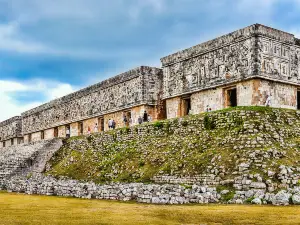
[(208, 143)]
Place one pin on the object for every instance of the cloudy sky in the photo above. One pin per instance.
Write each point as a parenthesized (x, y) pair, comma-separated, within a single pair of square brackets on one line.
[(49, 48)]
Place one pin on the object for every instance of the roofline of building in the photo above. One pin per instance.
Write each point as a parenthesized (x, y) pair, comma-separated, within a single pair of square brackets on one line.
[(10, 120), (235, 36), (123, 77)]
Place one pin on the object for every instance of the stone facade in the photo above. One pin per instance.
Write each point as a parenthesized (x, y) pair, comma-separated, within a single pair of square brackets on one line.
[(11, 132), (210, 68), (243, 68), (136, 87)]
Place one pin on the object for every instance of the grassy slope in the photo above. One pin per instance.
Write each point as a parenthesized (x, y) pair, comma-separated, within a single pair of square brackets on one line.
[(188, 151), (25, 209)]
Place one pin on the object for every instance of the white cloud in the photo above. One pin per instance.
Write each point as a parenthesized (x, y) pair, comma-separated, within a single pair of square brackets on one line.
[(11, 107), (10, 41)]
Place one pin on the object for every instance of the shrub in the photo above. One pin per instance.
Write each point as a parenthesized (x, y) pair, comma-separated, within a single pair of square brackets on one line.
[(141, 163), (184, 123), (228, 196), (209, 123), (125, 130), (158, 124), (89, 138), (249, 200)]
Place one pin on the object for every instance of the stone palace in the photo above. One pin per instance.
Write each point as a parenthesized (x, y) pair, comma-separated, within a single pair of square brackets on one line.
[(253, 66)]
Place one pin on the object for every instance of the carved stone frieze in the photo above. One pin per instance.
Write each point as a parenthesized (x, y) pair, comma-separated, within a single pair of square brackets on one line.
[(138, 86), (11, 128)]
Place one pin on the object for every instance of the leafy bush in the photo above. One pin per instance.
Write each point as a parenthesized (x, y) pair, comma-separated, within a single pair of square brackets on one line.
[(184, 123), (209, 123), (228, 196), (158, 124), (141, 163), (249, 200)]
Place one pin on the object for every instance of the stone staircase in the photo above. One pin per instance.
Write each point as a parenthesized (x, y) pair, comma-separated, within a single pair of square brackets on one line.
[(26, 158)]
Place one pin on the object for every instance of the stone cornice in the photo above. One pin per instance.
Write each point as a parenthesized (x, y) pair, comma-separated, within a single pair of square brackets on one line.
[(236, 36)]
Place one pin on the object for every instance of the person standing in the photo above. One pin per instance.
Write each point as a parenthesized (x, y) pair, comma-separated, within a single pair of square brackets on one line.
[(110, 124), (140, 120), (113, 124), (268, 101), (96, 128), (145, 117), (125, 121), (68, 133), (89, 130), (149, 118)]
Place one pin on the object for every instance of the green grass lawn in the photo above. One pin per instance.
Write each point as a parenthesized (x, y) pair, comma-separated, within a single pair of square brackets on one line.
[(26, 209)]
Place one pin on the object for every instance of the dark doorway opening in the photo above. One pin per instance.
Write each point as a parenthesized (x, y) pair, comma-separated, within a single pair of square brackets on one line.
[(80, 128), (3, 144), (55, 132), (20, 141), (29, 138), (298, 99), (68, 131), (42, 135), (29, 162), (128, 117), (101, 123), (232, 97), (12, 141), (186, 106)]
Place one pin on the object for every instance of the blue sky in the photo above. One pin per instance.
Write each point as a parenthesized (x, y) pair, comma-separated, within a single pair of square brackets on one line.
[(49, 48)]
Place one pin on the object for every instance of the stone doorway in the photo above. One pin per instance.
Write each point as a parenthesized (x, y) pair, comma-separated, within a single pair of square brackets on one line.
[(80, 128), (186, 105), (230, 97), (101, 123), (298, 99), (55, 132), (68, 131), (128, 116), (29, 138), (42, 135)]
